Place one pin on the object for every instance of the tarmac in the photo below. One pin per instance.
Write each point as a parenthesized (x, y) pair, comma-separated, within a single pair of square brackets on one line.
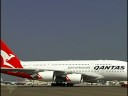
[(63, 91)]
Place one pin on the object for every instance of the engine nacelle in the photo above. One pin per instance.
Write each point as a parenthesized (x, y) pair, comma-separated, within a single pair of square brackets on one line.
[(47, 75), (74, 78)]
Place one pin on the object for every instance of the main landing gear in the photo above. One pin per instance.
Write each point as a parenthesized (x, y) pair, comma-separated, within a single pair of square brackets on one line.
[(62, 84)]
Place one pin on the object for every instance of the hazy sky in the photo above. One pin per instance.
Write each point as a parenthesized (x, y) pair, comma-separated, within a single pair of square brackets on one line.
[(65, 29)]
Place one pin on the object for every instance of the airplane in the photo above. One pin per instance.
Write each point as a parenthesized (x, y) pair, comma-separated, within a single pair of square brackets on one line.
[(62, 73)]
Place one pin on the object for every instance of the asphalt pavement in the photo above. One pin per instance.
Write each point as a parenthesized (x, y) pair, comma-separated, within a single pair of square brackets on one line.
[(63, 91)]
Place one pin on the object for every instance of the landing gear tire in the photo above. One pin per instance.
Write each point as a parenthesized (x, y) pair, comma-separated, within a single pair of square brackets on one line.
[(58, 84), (69, 84), (53, 84), (62, 84)]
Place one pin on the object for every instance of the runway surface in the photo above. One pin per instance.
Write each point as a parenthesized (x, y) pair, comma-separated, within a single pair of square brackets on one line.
[(62, 91)]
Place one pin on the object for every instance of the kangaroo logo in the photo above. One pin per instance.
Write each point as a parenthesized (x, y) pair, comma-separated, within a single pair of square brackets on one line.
[(6, 58)]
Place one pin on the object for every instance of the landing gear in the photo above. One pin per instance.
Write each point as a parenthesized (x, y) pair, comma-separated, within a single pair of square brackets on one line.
[(62, 84), (69, 84), (58, 84)]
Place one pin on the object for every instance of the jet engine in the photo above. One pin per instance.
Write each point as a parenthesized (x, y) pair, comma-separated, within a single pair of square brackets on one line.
[(46, 75), (74, 78)]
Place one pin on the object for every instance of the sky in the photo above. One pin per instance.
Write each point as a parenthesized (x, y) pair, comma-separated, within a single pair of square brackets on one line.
[(65, 29)]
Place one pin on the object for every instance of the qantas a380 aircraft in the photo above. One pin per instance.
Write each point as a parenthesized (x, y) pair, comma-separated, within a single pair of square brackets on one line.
[(67, 73)]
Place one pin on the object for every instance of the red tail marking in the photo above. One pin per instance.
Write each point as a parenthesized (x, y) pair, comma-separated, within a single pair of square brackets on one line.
[(8, 58)]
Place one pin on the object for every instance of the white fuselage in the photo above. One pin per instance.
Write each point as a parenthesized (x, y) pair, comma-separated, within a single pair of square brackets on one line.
[(102, 69)]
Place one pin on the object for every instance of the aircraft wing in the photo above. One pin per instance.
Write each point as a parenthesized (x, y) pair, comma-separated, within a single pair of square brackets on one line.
[(86, 77), (91, 76)]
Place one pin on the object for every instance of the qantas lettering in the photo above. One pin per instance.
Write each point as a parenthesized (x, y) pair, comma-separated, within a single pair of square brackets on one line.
[(109, 67)]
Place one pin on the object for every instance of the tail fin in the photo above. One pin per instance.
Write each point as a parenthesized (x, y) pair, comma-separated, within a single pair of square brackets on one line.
[(8, 58)]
